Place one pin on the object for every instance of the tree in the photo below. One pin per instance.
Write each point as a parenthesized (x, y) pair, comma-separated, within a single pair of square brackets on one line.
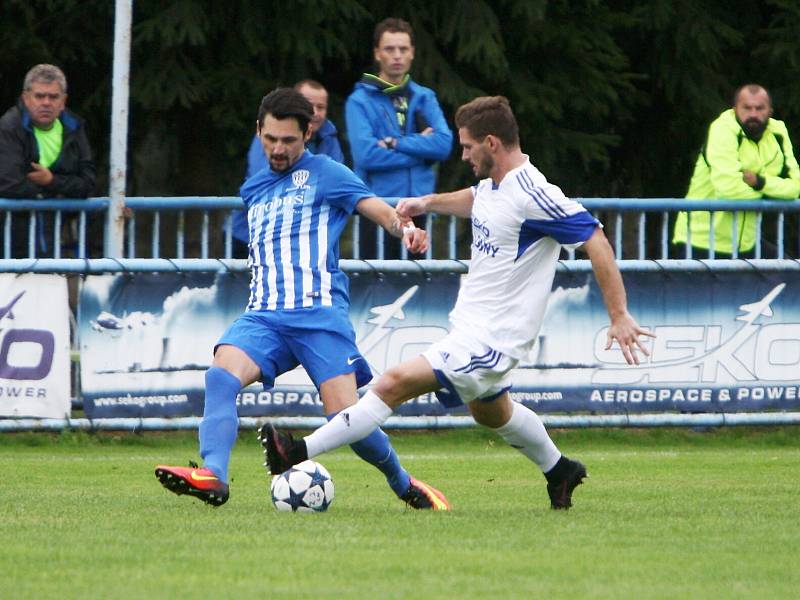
[(612, 98)]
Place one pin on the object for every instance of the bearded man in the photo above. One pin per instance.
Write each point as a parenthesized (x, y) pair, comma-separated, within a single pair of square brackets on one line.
[(747, 155)]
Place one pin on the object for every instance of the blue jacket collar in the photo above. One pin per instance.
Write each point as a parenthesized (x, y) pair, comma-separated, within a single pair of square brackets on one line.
[(369, 83), (68, 120), (327, 130)]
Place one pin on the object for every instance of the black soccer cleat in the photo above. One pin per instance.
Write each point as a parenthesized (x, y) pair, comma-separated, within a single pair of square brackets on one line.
[(562, 480), (280, 449)]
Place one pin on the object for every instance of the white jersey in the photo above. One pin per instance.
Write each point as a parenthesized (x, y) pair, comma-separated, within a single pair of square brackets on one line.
[(518, 230)]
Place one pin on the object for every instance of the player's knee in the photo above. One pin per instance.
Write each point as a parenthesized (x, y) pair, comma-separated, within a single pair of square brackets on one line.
[(491, 413), (390, 385)]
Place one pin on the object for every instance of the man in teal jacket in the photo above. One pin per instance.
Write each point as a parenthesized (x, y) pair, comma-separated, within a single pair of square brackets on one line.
[(747, 155), (396, 128)]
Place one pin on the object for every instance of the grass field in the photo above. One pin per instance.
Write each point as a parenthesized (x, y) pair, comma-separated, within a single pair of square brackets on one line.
[(665, 514)]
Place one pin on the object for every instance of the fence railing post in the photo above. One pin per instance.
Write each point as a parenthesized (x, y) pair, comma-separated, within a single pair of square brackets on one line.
[(120, 88)]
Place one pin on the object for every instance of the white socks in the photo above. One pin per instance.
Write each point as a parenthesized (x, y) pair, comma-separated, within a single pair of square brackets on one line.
[(525, 432), (350, 425)]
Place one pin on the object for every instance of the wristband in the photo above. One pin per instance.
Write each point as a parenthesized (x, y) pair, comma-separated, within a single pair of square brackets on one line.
[(408, 228)]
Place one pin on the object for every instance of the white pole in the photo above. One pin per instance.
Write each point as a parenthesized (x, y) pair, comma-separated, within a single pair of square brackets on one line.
[(120, 87)]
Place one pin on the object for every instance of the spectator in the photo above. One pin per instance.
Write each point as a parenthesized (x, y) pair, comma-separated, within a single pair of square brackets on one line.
[(396, 128), (747, 155), (44, 153), (324, 140)]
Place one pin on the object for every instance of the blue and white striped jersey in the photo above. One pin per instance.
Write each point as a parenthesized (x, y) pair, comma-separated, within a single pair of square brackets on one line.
[(295, 220), (518, 230)]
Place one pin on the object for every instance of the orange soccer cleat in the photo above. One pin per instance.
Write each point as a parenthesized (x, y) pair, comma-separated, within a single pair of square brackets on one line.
[(191, 480)]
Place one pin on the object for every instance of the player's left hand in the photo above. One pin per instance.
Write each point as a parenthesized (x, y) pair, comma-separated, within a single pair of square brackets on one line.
[(626, 331), (414, 239)]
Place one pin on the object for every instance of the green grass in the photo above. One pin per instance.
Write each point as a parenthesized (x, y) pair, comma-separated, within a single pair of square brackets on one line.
[(665, 513)]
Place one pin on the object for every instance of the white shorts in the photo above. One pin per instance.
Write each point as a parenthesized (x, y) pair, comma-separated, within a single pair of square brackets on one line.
[(468, 369)]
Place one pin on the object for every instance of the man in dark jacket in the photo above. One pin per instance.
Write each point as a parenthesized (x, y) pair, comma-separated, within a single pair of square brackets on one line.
[(396, 128), (44, 153)]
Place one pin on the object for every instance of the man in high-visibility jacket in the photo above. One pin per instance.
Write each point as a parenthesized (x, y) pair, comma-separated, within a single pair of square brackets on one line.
[(747, 155)]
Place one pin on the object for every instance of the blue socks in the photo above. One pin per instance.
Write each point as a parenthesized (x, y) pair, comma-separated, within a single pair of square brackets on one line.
[(220, 424), (220, 421), (377, 450)]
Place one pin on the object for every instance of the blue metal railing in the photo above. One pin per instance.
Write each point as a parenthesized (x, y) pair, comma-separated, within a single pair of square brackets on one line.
[(154, 207), (665, 207), (61, 211), (200, 227), (96, 266)]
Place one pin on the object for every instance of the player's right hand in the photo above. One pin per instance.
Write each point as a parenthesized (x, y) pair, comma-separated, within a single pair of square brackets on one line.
[(411, 207), (626, 332), (415, 239), (40, 175)]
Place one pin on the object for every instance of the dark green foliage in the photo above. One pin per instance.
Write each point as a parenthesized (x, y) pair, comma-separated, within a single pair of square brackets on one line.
[(613, 98)]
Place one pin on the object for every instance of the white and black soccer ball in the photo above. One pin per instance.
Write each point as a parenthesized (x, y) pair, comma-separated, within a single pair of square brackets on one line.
[(306, 487)]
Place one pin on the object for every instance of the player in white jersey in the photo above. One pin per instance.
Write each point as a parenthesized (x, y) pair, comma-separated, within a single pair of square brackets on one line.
[(520, 222), (298, 308)]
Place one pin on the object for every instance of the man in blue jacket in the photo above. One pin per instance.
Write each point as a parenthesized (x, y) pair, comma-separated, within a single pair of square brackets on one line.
[(396, 128), (324, 140)]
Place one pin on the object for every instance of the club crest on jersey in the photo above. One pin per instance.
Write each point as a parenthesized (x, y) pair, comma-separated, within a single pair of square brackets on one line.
[(300, 177)]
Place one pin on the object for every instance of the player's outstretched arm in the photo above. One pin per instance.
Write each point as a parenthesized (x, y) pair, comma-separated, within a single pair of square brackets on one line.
[(624, 328), (458, 203), (378, 211)]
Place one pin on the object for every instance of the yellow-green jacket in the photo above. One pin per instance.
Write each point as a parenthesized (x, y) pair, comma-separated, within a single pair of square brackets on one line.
[(718, 175)]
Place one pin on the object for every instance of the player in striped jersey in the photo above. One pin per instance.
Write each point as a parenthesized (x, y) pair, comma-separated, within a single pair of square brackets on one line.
[(297, 313), (520, 222)]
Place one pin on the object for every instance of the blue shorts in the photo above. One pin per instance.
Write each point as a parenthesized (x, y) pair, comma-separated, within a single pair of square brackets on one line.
[(321, 338)]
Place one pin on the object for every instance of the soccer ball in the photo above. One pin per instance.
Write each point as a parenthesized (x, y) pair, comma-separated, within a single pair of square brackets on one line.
[(306, 487)]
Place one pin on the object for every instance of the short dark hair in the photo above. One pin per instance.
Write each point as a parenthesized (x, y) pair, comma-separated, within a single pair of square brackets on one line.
[(286, 103), (752, 88), (392, 25), (489, 115)]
